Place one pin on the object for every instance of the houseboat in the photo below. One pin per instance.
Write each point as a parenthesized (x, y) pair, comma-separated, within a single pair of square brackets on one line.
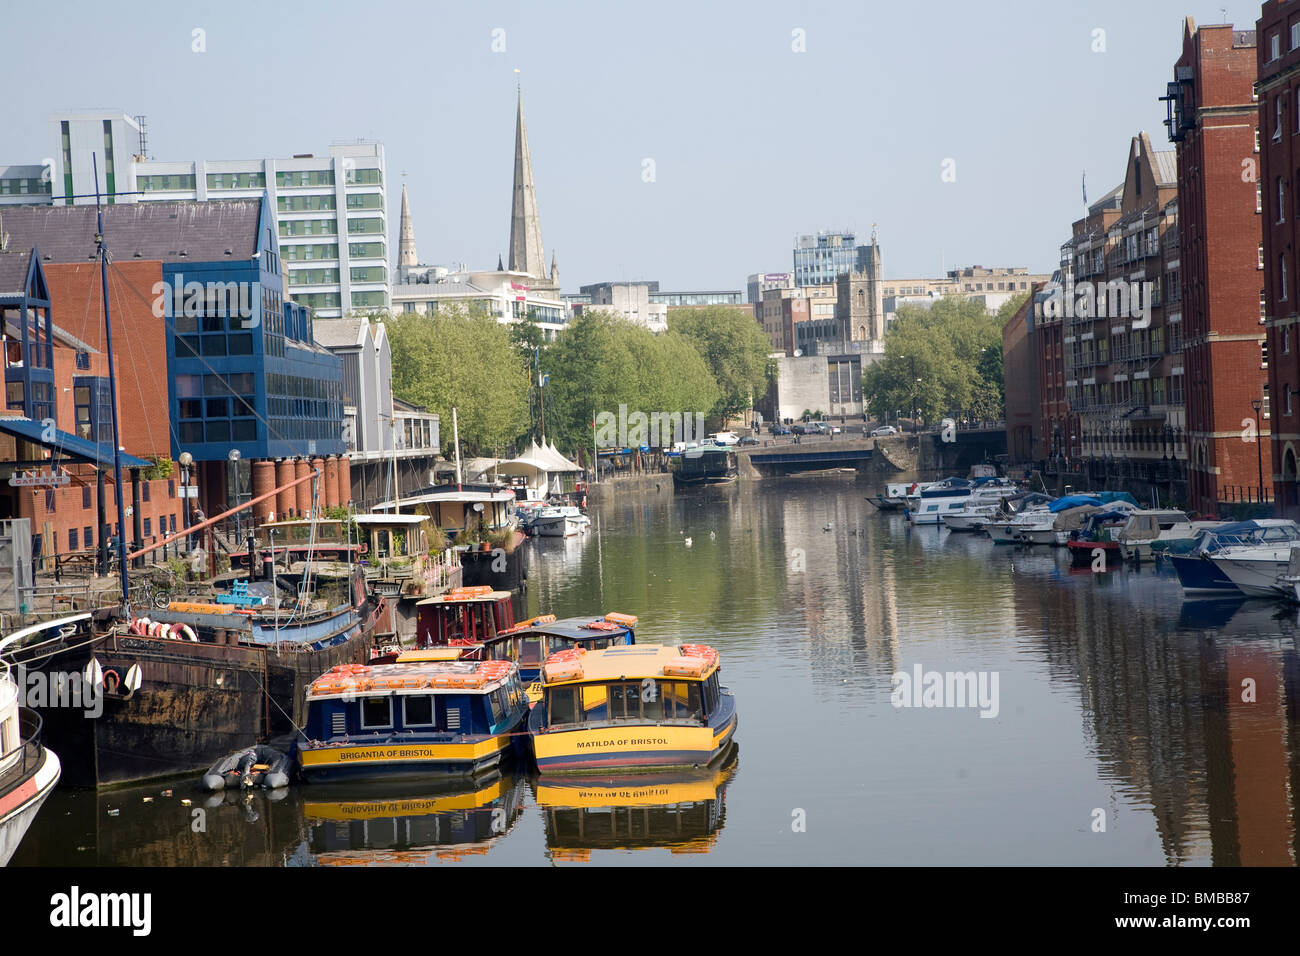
[(28, 771), (645, 706), (706, 465), (300, 539), (465, 615), (411, 718), (184, 687)]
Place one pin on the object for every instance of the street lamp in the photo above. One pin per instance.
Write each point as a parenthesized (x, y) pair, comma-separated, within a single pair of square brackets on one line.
[(916, 412), (1257, 404), (232, 457), (186, 460)]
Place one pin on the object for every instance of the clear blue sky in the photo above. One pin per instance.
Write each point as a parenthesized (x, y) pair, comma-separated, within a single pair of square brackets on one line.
[(752, 142)]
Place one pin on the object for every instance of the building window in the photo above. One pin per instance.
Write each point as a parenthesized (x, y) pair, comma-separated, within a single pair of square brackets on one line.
[(1286, 340), (1277, 119), (1259, 198), (72, 539), (1261, 256), (1274, 46), (148, 526), (1257, 139), (1281, 200), (88, 536), (144, 491), (1281, 277)]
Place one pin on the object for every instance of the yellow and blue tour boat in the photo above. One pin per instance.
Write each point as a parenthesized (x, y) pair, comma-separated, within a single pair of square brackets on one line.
[(413, 717), (529, 643), (641, 706)]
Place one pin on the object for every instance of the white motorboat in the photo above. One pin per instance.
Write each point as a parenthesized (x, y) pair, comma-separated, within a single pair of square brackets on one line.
[(1005, 527), (1157, 527), (929, 505), (1256, 568), (559, 521), (28, 771), (980, 507)]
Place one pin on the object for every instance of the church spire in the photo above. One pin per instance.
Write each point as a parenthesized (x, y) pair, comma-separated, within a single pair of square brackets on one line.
[(406, 255), (525, 224)]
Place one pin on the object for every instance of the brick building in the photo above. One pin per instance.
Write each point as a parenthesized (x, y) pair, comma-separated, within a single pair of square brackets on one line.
[(1213, 122), (57, 418), (1278, 90), (1119, 303), (1020, 373)]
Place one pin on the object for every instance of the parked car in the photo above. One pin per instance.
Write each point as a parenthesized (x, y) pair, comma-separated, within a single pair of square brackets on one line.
[(725, 438), (748, 440), (836, 430), (883, 430), (802, 429), (780, 429), (819, 428)]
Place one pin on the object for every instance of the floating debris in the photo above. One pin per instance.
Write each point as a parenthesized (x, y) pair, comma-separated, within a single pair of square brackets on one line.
[(113, 813), (148, 800)]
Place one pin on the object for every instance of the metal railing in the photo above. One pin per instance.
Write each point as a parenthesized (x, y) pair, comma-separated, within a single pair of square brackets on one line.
[(29, 748)]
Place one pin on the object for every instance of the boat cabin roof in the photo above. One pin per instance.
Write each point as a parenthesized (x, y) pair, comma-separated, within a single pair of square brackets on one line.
[(632, 662), (454, 598), (423, 678), (577, 629), (383, 520)]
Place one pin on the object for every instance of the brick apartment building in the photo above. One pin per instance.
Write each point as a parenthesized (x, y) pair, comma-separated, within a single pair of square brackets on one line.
[(1278, 90), (1122, 329), (1213, 120)]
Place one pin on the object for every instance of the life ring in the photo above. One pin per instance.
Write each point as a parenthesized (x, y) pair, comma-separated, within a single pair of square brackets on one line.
[(140, 627), (158, 630), (602, 626), (117, 681), (176, 631)]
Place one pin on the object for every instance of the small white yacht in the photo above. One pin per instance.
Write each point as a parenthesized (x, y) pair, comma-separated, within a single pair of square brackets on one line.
[(558, 521), (1156, 528)]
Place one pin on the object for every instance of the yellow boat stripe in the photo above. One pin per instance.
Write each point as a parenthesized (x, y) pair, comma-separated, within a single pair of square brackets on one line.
[(400, 753)]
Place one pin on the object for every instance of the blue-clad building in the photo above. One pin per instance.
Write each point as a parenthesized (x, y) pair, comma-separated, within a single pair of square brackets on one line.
[(243, 372)]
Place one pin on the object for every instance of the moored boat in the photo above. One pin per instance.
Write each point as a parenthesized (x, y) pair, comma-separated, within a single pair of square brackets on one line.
[(1198, 574), (647, 706), (558, 521), (177, 691), (28, 770), (529, 644), (411, 718), (707, 465)]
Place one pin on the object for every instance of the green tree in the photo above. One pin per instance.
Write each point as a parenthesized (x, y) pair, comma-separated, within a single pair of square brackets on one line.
[(945, 360), (734, 348), (462, 356), (602, 360)]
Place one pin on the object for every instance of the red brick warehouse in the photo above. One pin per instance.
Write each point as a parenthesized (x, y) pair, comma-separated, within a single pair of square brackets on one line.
[(1213, 120)]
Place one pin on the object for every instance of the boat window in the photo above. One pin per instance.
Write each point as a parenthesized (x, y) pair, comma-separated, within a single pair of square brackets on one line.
[(376, 712), (681, 700), (561, 706), (495, 709), (530, 650), (417, 711), (652, 702)]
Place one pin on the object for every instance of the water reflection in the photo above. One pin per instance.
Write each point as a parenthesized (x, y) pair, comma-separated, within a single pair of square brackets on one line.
[(410, 825), (681, 812), (1179, 719)]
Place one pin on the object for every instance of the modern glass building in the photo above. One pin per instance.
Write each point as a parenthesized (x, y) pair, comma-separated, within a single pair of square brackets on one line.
[(819, 259), (330, 212)]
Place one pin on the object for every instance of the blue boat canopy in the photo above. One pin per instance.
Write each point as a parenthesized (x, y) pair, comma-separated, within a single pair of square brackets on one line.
[(1073, 501)]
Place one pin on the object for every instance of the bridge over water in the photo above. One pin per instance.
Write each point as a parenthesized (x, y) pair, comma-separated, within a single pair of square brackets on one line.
[(929, 450)]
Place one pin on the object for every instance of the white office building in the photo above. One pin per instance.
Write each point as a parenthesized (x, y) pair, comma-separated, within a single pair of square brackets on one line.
[(331, 210)]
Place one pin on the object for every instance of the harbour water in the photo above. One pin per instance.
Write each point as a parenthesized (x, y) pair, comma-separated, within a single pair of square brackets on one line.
[(1109, 722)]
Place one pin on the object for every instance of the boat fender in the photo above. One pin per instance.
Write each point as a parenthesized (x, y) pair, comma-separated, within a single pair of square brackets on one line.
[(214, 781), (275, 780), (94, 674), (134, 678)]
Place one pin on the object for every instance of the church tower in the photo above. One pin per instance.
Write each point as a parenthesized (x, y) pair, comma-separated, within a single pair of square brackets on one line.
[(525, 223)]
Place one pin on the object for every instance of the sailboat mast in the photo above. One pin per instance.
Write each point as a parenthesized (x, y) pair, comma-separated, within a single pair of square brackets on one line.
[(112, 397)]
